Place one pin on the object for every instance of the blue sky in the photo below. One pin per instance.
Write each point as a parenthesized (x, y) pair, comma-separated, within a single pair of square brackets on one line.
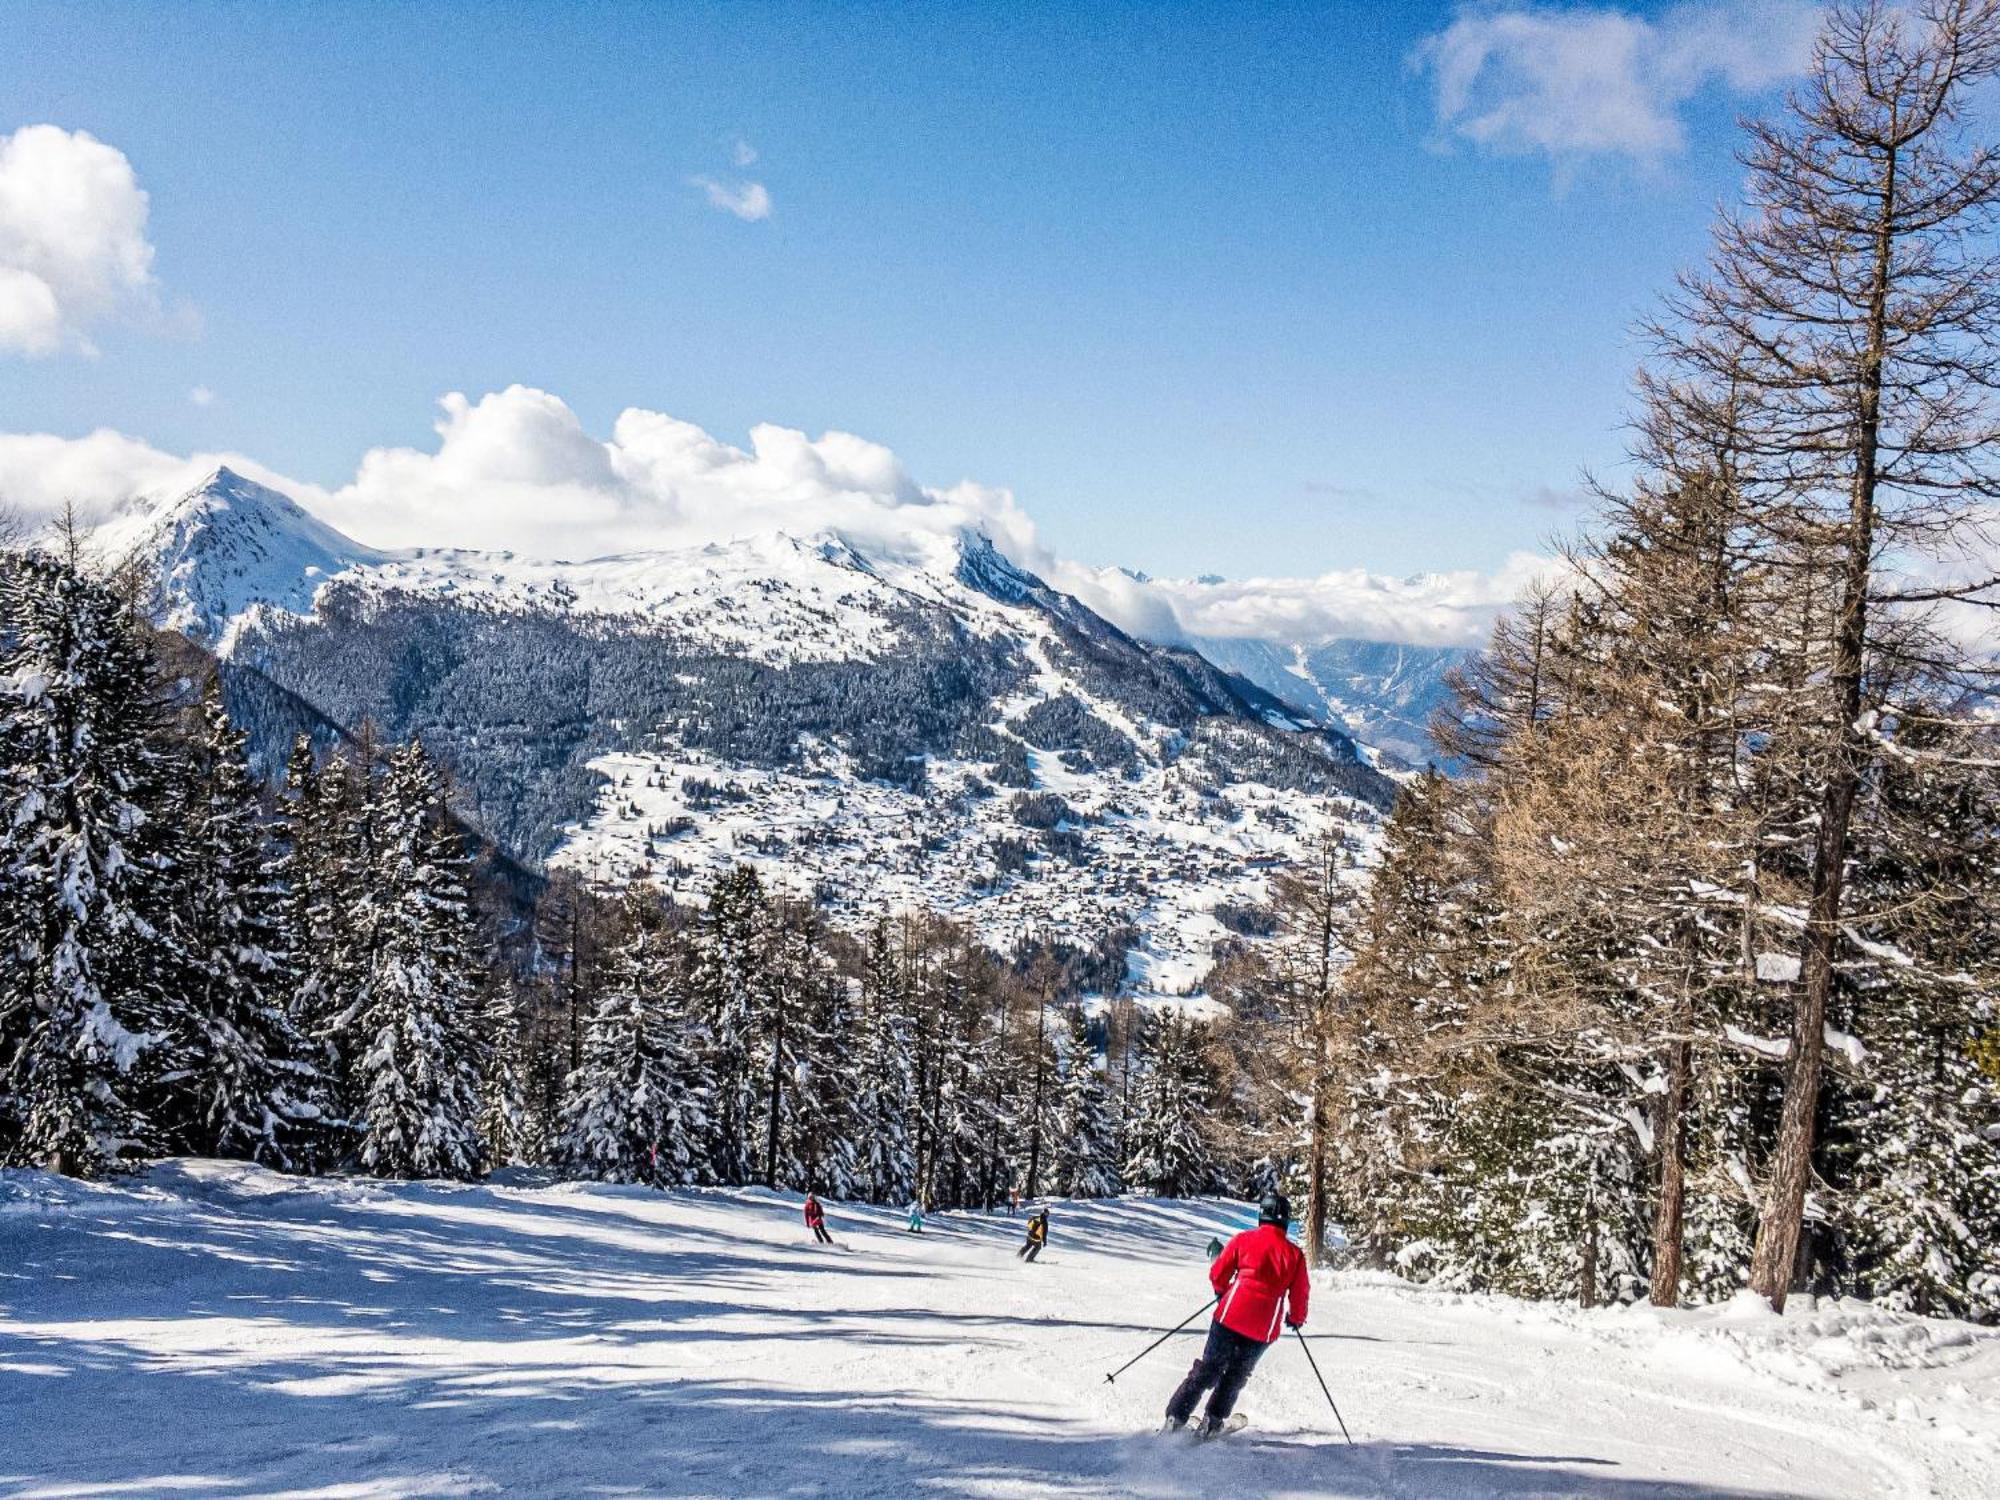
[(1210, 288)]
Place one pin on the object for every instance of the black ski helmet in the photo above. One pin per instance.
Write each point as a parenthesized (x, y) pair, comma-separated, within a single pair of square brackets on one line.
[(1275, 1209)]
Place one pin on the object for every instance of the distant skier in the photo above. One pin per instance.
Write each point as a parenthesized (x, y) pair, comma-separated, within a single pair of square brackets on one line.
[(816, 1220), (1038, 1236), (1261, 1280), (1214, 1246), (916, 1218)]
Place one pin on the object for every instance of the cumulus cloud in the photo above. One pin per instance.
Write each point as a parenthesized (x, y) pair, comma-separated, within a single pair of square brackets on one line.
[(746, 200), (516, 470), (1579, 81), (73, 246)]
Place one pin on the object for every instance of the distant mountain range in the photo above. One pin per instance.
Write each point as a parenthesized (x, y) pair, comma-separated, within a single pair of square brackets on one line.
[(1380, 693), (880, 726)]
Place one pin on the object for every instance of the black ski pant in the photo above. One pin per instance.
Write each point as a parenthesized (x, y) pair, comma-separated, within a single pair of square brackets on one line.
[(820, 1234), (1029, 1251), (1223, 1370)]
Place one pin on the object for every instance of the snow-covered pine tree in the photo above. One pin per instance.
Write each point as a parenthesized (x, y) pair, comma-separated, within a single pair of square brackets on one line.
[(970, 1131), (85, 946), (300, 873), (1171, 1153), (824, 1121), (506, 1124), (781, 1039), (884, 1078), (731, 985), (1036, 1099), (635, 1110), (331, 909), (415, 1050), (1085, 1145), (1917, 1117), (245, 1084)]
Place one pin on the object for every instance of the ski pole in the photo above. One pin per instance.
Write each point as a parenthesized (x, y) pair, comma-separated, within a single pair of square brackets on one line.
[(1113, 1376), (1322, 1385)]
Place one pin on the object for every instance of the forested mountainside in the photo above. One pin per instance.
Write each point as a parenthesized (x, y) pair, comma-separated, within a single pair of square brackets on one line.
[(934, 725)]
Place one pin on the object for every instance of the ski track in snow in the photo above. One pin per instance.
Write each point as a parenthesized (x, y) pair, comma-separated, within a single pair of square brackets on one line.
[(215, 1329)]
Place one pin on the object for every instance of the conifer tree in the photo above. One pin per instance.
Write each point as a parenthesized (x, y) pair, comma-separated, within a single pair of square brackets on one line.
[(415, 1051), (1085, 1145), (885, 1081), (826, 1121), (245, 1084), (506, 1124), (731, 983), (332, 906), (1857, 302), (635, 1110), (1171, 1153), (85, 859)]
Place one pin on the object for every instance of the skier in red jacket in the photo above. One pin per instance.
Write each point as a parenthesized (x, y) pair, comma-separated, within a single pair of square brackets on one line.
[(1261, 1280), (816, 1220)]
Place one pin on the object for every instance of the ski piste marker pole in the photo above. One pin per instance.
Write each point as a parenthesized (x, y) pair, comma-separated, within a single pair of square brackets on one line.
[(1113, 1376), (1322, 1384)]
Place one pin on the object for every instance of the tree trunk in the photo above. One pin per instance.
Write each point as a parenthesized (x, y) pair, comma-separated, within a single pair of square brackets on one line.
[(1791, 1166), (1667, 1218), (1316, 1170), (1035, 1126), (777, 1092), (575, 991), (1586, 1295)]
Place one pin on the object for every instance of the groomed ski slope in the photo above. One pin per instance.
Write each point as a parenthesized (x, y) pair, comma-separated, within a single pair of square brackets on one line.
[(213, 1329)]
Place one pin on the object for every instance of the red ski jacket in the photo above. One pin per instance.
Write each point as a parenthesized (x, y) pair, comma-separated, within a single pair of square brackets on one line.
[(814, 1213), (1255, 1274)]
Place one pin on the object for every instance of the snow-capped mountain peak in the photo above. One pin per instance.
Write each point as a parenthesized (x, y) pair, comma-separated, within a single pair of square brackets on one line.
[(227, 545)]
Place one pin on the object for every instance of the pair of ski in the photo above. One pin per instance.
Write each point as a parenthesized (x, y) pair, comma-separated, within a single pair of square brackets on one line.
[(1231, 1425)]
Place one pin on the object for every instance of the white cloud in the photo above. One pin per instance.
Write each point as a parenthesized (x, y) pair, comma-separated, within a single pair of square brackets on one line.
[(743, 154), (41, 473), (516, 470), (747, 200), (73, 247), (201, 395), (1430, 609), (1579, 81)]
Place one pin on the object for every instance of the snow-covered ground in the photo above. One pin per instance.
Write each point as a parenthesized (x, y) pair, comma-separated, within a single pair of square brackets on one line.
[(217, 1330)]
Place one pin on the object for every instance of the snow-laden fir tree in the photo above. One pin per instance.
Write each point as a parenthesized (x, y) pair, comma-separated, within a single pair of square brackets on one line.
[(1085, 1144), (415, 1050), (86, 952), (246, 1085), (884, 1079), (635, 1110), (1920, 1118), (506, 1124), (330, 901), (822, 1124), (781, 1039), (731, 985), (1172, 1156), (968, 1131)]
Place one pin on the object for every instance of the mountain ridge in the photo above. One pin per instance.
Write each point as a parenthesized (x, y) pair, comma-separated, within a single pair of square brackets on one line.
[(928, 724)]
